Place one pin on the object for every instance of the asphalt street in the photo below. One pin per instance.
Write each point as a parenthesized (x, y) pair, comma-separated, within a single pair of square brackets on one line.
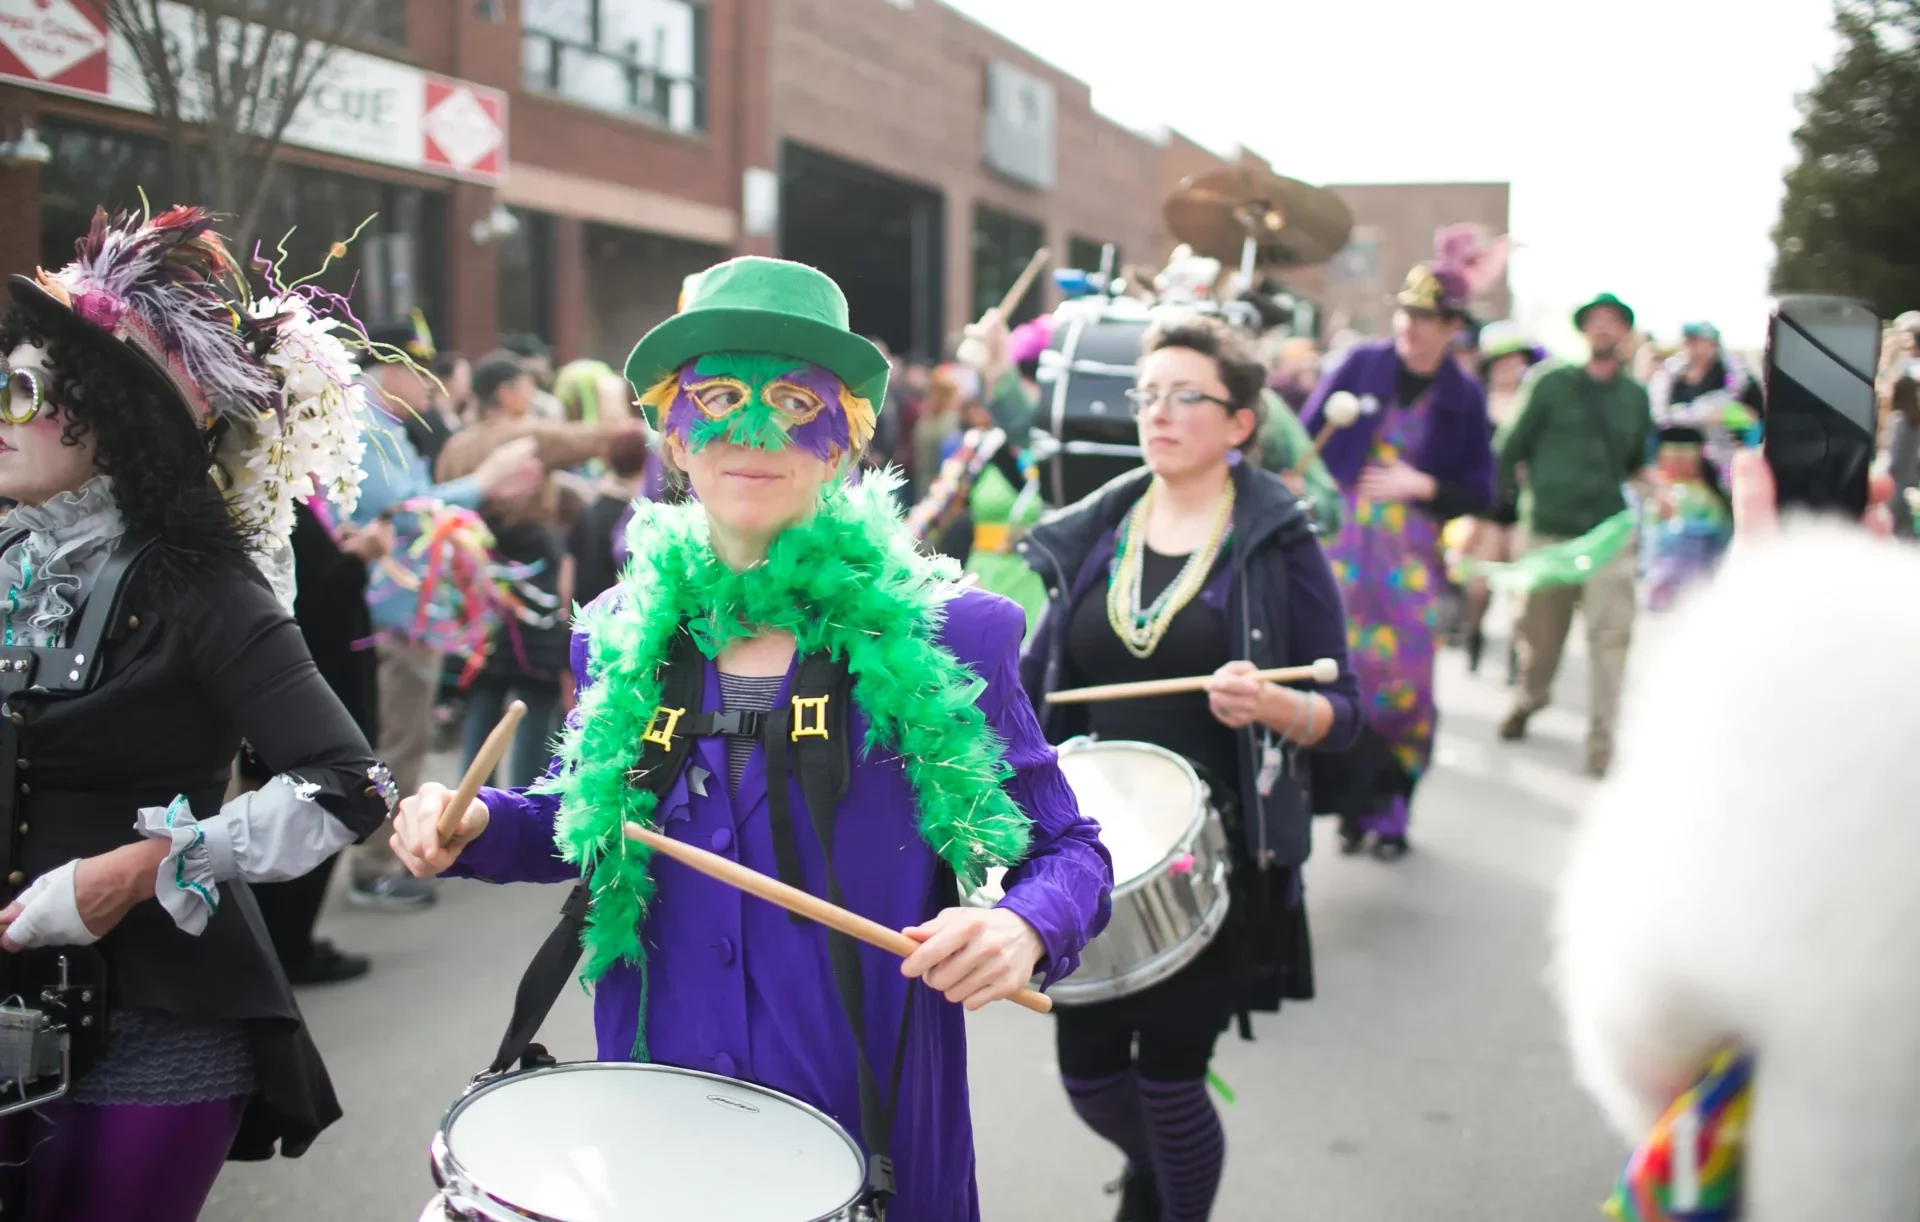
[(1428, 1080)]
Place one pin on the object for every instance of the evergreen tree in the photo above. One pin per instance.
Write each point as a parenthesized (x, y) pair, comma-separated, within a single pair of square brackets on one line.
[(1850, 222)]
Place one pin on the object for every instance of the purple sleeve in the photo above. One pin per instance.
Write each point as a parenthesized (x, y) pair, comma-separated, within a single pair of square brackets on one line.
[(518, 846), (1064, 887), (1317, 628)]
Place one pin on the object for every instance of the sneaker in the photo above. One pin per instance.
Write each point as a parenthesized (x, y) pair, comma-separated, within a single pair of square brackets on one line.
[(1139, 1196), (1599, 761), (1514, 728), (329, 965), (394, 893)]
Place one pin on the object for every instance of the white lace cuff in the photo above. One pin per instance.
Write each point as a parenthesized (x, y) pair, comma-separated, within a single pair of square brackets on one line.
[(184, 883), (273, 834)]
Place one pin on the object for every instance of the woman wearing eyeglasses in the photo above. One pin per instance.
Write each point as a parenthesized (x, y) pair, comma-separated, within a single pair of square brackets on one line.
[(1201, 564)]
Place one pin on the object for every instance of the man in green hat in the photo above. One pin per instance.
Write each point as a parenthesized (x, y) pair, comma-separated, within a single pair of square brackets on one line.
[(1579, 433)]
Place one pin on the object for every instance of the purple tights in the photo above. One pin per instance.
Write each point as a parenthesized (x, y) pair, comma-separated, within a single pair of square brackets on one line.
[(73, 1162), (1391, 821), (1169, 1127)]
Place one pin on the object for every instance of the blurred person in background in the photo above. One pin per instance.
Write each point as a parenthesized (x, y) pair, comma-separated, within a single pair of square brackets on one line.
[(410, 671), (1506, 355), (330, 562), (1705, 406), (536, 357), (1297, 371), (596, 544), (527, 652), (446, 409), (1419, 453), (949, 390), (1580, 433), (1899, 387)]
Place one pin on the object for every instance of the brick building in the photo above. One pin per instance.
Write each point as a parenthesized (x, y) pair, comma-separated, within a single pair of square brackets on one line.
[(911, 153)]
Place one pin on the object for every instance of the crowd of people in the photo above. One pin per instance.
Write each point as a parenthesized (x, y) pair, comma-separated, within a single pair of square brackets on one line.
[(703, 582)]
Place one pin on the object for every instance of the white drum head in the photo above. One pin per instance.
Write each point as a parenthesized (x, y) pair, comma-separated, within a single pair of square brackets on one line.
[(1145, 799), (626, 1143)]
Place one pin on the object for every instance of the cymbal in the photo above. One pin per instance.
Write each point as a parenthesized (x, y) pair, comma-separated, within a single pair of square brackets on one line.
[(1293, 224)]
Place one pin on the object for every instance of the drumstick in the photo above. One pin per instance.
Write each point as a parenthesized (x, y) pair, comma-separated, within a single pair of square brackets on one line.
[(1320, 440), (1326, 670), (1018, 292), (480, 770), (795, 900)]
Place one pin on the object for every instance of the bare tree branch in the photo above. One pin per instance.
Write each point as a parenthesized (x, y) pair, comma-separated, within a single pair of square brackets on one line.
[(230, 93)]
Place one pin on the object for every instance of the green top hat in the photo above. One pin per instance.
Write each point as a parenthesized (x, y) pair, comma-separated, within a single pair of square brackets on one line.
[(752, 304), (1609, 301)]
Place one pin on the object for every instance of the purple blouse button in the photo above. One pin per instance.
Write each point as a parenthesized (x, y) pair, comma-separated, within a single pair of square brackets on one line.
[(725, 947), (723, 1065), (723, 840)]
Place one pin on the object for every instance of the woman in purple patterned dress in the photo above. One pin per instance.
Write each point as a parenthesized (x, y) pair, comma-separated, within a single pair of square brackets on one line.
[(1420, 452)]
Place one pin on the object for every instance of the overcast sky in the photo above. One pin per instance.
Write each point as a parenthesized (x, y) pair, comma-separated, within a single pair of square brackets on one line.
[(1644, 139)]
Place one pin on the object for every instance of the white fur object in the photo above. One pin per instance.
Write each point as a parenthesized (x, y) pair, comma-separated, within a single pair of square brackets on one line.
[(1752, 872)]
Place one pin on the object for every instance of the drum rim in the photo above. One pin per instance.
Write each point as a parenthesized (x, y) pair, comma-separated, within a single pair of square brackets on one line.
[(452, 1177), (1155, 971), (1203, 794)]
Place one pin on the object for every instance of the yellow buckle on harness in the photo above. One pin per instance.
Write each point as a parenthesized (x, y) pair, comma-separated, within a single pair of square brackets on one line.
[(802, 728), (662, 735)]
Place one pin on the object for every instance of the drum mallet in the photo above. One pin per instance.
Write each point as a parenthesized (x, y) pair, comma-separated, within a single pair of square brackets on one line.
[(1324, 671), (797, 901), (1341, 409), (480, 771), (971, 351)]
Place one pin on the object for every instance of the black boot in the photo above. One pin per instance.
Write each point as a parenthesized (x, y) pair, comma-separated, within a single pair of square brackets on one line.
[(1353, 837), (1476, 644), (1139, 1196)]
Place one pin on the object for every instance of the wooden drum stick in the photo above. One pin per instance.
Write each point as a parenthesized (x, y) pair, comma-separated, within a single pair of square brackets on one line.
[(795, 900), (1326, 670), (1018, 292), (1320, 440), (480, 770)]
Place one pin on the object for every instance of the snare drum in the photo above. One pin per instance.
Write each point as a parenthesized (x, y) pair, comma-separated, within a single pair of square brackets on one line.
[(593, 1141), (1170, 864)]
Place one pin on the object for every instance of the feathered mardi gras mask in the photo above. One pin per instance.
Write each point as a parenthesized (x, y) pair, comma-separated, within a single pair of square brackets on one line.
[(761, 401), (761, 355)]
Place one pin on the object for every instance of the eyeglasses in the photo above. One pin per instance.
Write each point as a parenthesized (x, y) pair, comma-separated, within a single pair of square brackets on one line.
[(21, 397), (1179, 401)]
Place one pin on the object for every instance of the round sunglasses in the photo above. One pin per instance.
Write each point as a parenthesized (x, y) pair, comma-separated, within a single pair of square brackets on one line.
[(21, 396)]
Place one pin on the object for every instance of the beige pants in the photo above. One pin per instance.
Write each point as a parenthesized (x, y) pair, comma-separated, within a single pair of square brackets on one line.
[(409, 679), (1607, 604)]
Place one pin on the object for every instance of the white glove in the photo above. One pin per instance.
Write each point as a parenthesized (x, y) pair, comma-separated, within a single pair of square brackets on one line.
[(50, 915)]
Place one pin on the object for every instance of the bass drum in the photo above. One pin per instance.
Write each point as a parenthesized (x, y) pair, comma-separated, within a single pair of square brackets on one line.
[(1084, 376), (1170, 864)]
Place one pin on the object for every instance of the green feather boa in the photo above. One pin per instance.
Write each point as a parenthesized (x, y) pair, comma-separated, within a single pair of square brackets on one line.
[(849, 583)]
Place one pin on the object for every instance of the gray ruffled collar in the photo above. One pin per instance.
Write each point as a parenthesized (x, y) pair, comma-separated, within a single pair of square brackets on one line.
[(42, 579)]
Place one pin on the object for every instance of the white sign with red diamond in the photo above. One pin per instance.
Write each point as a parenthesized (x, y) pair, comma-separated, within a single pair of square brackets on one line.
[(360, 106)]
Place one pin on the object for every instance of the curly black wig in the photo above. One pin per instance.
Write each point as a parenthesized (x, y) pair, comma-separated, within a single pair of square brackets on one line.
[(142, 434)]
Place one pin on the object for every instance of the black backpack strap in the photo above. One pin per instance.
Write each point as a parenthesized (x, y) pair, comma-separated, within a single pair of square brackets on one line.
[(664, 752), (811, 740)]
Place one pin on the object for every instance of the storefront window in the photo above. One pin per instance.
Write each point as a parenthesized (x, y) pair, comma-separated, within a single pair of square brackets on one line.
[(1085, 254), (644, 58), (397, 264), (1002, 244), (526, 277)]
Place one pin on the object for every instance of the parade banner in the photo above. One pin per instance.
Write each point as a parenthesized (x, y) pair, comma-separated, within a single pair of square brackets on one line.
[(360, 106)]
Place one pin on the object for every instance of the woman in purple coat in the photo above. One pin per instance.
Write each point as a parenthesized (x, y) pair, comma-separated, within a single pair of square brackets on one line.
[(775, 570), (1419, 453)]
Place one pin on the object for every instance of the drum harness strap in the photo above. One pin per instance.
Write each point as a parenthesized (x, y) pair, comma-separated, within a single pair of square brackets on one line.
[(810, 739)]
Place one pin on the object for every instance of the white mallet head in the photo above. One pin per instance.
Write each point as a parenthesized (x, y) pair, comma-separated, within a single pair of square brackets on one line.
[(1326, 670), (1342, 408)]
